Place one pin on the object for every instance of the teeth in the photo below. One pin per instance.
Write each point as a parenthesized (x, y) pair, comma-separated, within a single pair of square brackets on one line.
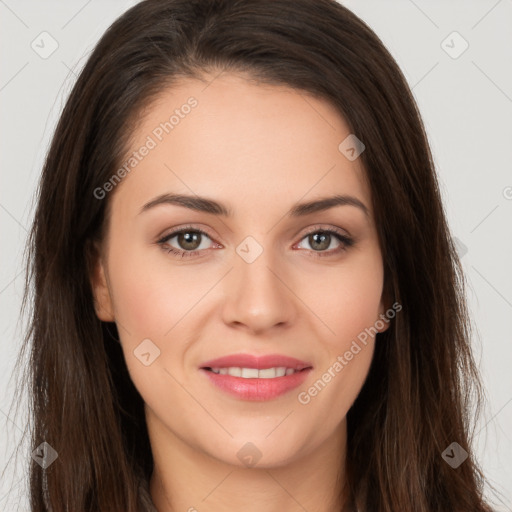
[(254, 373), (248, 373)]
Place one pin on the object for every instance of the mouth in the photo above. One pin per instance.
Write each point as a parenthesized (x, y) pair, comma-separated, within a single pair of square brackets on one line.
[(254, 373), (243, 365), (256, 378)]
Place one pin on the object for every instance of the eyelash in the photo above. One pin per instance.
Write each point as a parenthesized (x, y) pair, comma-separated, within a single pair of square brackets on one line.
[(346, 242)]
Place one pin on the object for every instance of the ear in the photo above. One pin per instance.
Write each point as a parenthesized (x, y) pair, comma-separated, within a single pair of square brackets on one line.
[(99, 285)]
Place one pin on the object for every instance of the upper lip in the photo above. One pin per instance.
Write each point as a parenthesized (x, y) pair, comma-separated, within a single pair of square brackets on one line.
[(259, 362)]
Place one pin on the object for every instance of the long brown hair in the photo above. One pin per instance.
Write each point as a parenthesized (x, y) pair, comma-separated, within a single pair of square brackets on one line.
[(422, 388)]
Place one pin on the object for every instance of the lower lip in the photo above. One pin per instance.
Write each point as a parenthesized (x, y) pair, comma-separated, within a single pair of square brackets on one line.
[(257, 389)]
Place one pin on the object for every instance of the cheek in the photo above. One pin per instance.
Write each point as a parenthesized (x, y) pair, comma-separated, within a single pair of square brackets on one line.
[(351, 303), (335, 388), (350, 309), (148, 295), (147, 305), (157, 301)]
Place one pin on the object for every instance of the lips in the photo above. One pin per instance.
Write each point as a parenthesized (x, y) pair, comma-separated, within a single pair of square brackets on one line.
[(258, 362), (251, 377)]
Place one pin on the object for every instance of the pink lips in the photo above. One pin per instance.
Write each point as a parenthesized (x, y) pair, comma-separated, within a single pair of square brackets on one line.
[(256, 388), (261, 362)]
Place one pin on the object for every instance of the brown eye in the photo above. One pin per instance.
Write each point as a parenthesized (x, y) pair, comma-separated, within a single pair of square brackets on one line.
[(320, 240), (188, 242)]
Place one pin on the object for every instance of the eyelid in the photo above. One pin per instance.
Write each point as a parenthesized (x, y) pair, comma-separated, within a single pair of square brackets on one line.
[(345, 239), (177, 231), (310, 229), (323, 227)]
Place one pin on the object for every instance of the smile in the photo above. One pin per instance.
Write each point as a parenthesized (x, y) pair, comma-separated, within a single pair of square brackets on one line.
[(254, 373)]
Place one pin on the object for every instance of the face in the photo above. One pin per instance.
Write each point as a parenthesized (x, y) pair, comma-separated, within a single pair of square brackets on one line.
[(264, 277)]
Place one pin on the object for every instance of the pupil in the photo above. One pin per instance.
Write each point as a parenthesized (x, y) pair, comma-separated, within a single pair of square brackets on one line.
[(324, 240), (187, 238)]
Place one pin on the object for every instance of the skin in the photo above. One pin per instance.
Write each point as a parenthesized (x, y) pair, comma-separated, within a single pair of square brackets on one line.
[(259, 149)]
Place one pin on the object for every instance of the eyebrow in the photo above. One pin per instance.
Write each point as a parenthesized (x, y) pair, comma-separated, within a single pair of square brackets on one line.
[(203, 204)]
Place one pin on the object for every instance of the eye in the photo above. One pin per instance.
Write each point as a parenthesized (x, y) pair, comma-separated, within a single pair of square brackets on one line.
[(188, 238), (190, 242), (321, 239)]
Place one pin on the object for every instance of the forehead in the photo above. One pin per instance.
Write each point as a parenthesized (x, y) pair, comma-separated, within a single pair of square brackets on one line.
[(241, 142)]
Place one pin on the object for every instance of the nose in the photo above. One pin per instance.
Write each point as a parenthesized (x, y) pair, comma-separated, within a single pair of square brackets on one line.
[(258, 296)]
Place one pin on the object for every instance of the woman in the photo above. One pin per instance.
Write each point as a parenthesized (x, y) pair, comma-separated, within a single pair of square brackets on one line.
[(245, 291)]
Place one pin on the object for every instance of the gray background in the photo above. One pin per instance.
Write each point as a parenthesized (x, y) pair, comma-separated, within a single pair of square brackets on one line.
[(466, 103)]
